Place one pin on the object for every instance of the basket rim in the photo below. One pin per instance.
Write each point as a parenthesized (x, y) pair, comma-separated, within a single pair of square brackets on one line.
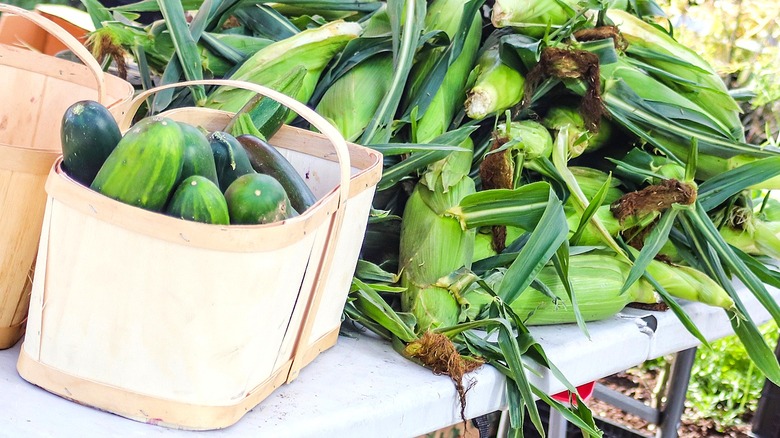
[(228, 238)]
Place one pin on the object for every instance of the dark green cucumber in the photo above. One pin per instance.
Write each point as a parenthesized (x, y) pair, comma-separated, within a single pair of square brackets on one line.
[(199, 199), (89, 134), (198, 157), (266, 159), (145, 166), (256, 198), (229, 157)]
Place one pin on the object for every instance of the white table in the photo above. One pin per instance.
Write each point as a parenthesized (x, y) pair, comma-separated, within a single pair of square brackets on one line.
[(362, 388)]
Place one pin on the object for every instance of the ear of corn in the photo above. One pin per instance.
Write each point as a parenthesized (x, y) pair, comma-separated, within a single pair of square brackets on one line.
[(590, 181), (751, 233), (423, 229), (590, 236), (596, 282), (313, 49), (350, 103), (680, 68), (671, 122), (581, 140), (496, 87), (534, 17), (527, 137), (445, 15), (215, 44), (690, 284)]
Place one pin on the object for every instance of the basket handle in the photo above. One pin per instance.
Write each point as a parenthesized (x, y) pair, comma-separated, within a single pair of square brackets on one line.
[(66, 38), (319, 122)]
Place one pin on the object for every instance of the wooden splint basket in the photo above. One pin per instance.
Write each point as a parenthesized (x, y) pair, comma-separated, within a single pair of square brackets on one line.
[(191, 325)]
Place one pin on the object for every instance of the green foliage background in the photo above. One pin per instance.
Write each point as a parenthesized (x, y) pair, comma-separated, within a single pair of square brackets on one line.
[(725, 385)]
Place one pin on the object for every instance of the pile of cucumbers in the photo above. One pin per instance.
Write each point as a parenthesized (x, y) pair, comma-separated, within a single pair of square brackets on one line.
[(181, 170)]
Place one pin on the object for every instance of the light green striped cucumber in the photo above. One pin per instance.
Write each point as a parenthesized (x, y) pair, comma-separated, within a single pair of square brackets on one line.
[(145, 166)]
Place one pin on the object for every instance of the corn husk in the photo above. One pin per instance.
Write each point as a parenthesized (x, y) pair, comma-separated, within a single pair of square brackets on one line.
[(596, 281), (350, 103), (424, 229), (496, 87), (313, 49), (444, 15), (680, 68)]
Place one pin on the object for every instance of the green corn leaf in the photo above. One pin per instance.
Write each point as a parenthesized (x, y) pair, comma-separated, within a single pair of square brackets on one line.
[(760, 270), (692, 163), (643, 52), (97, 12), (354, 52), (590, 211), (184, 42), (761, 355), (223, 11), (367, 271), (559, 154), (154, 6), (529, 348), (561, 263), (523, 395), (656, 121), (547, 236), (520, 52), (174, 70), (509, 361), (505, 258), (746, 330), (334, 5), (408, 15), (516, 411), (717, 189), (143, 67), (172, 74), (543, 288), (370, 304), (352, 313), (653, 244), (534, 351), (583, 418), (678, 311), (420, 160), (215, 45), (394, 149), (711, 253), (701, 222), (435, 77), (412, 164), (521, 207), (547, 169), (265, 21)]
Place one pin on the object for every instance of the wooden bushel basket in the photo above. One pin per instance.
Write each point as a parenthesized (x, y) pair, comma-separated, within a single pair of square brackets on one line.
[(190, 325), (35, 92)]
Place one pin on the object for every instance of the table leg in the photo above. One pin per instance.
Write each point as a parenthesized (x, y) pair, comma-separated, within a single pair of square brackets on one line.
[(557, 425), (766, 422), (675, 394)]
